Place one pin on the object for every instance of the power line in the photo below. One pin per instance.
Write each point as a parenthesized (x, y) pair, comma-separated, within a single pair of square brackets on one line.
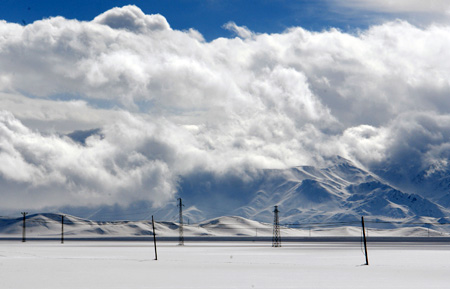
[(67, 221)]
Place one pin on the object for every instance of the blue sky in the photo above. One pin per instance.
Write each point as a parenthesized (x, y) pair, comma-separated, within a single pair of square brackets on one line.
[(208, 16)]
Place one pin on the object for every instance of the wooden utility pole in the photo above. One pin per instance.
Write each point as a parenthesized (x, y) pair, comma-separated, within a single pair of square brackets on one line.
[(24, 226), (365, 242), (62, 229), (154, 238), (181, 231)]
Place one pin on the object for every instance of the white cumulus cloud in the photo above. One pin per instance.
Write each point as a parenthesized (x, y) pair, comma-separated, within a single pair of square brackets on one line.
[(168, 104), (133, 19)]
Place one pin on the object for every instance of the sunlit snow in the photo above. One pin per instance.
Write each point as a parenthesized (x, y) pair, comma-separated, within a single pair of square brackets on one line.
[(222, 265)]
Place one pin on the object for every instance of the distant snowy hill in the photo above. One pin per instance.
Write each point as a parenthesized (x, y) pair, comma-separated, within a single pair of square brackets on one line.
[(49, 226)]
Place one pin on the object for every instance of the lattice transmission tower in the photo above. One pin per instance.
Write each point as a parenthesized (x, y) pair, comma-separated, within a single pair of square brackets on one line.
[(276, 239)]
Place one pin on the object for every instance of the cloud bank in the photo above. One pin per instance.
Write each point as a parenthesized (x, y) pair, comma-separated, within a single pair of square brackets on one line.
[(168, 104)]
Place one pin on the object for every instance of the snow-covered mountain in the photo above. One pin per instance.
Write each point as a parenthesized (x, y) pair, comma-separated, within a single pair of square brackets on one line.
[(339, 192), (431, 181)]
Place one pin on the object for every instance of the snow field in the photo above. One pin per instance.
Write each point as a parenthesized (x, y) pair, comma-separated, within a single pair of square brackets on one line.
[(110, 265)]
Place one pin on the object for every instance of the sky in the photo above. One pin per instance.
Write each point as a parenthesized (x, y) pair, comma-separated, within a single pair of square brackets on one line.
[(114, 102), (263, 16), (208, 17)]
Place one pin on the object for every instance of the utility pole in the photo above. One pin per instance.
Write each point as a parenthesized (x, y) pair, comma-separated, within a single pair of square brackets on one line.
[(276, 239), (181, 237), (365, 242), (62, 229), (154, 238), (24, 226)]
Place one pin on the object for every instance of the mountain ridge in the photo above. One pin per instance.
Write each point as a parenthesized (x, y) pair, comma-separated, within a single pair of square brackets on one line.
[(338, 191)]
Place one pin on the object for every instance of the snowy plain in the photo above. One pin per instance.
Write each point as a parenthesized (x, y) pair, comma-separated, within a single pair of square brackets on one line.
[(112, 264)]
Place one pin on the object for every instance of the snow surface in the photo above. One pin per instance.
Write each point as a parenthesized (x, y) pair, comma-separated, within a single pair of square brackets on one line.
[(46, 264)]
